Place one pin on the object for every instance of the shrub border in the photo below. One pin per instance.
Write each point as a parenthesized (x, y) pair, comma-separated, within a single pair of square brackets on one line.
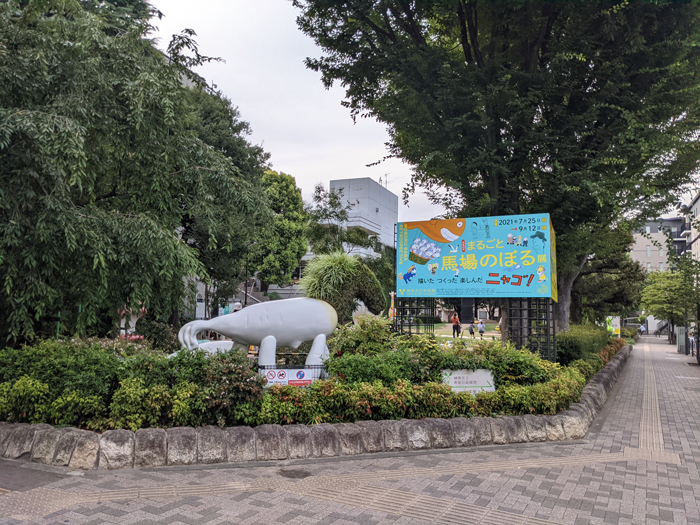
[(156, 447)]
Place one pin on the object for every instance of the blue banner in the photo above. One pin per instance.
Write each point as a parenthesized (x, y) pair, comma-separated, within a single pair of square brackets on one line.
[(506, 256)]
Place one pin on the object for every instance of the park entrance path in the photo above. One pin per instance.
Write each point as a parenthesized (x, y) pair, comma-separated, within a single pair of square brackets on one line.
[(639, 464)]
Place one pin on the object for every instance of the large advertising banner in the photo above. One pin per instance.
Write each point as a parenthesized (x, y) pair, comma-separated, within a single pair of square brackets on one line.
[(506, 256)]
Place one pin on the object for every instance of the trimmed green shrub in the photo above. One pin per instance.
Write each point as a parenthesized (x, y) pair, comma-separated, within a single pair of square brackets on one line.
[(387, 367), (628, 332), (230, 381), (104, 384), (370, 336), (586, 368), (73, 408), (422, 359), (24, 401), (136, 406), (335, 402), (88, 367), (188, 405), (580, 342)]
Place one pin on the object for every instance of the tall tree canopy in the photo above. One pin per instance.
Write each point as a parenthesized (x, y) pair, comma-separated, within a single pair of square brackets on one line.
[(281, 243), (610, 282), (217, 122), (99, 172), (585, 110)]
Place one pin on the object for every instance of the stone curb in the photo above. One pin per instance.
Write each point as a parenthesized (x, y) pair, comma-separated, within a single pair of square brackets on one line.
[(154, 447)]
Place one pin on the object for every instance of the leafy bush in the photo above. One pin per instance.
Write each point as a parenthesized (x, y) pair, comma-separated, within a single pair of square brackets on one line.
[(585, 368), (104, 384), (74, 408), (421, 359), (136, 406), (24, 401), (387, 367), (335, 402), (160, 335), (230, 381), (188, 405), (628, 332), (370, 336), (580, 342), (88, 367)]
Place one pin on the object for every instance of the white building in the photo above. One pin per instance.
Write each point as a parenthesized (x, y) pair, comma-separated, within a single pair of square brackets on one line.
[(374, 208)]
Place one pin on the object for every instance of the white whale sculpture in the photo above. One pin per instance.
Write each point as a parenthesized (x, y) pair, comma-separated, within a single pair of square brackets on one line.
[(287, 322)]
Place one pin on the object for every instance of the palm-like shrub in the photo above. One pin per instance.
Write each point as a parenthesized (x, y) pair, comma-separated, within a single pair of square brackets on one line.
[(340, 280)]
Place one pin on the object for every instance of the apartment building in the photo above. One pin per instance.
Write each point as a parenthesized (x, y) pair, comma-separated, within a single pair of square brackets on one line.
[(692, 232), (651, 244)]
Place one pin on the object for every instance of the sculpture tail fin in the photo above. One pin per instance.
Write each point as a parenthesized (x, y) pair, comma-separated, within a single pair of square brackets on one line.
[(188, 334)]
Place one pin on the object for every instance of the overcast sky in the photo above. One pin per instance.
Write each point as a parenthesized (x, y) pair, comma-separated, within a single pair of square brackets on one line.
[(304, 127)]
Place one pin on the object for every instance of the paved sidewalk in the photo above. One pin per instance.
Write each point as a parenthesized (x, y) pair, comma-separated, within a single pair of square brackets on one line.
[(639, 464)]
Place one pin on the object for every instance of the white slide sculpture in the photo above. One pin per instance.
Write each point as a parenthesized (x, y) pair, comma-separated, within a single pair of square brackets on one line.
[(287, 322)]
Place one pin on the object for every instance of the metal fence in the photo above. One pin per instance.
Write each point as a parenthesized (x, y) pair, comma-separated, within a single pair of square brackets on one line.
[(531, 324)]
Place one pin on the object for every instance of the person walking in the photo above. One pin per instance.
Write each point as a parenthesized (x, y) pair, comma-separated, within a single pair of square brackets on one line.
[(456, 327), (471, 330), (482, 328)]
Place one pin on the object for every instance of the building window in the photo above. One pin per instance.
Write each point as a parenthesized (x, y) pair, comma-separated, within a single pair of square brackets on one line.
[(661, 267), (661, 252), (674, 230), (648, 266), (648, 229), (648, 251)]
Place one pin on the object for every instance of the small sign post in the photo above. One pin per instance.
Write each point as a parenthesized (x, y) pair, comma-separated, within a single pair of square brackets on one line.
[(473, 381)]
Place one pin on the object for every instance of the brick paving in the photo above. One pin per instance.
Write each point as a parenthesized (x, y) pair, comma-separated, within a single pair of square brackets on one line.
[(596, 480)]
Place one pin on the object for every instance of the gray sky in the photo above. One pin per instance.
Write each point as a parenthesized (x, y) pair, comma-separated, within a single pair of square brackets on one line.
[(309, 134)]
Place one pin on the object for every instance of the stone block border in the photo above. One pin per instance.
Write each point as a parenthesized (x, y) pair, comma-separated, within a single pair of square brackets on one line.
[(153, 447)]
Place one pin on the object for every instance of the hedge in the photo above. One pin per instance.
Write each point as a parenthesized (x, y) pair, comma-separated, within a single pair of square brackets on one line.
[(102, 384), (579, 342), (332, 401)]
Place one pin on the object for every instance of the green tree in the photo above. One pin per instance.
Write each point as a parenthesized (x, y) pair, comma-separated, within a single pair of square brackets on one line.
[(668, 296), (217, 122), (98, 170), (610, 283), (585, 110), (282, 242)]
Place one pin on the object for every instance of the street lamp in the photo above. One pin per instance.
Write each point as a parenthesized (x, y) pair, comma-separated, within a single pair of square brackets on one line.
[(245, 299)]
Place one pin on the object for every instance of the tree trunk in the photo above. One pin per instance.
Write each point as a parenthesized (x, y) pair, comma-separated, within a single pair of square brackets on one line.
[(576, 309), (175, 318), (565, 283)]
